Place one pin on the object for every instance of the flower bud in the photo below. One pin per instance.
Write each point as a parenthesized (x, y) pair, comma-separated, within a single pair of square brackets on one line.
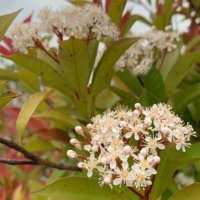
[(79, 130), (73, 141), (165, 130), (127, 149), (123, 124), (136, 113), (107, 180), (89, 127), (71, 154), (147, 121), (143, 151), (138, 106), (157, 159), (104, 160), (81, 165), (95, 148)]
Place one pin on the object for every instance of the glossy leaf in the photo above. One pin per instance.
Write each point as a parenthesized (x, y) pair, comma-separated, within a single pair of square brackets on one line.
[(131, 81), (169, 61), (104, 69), (5, 22), (39, 145), (153, 82), (6, 98), (78, 188), (50, 77), (130, 22), (75, 64), (179, 71), (191, 93), (166, 169), (59, 117), (28, 109), (191, 192), (115, 10), (191, 155)]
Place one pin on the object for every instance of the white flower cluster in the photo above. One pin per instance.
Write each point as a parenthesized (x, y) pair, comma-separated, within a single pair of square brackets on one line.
[(139, 58), (124, 145), (87, 22)]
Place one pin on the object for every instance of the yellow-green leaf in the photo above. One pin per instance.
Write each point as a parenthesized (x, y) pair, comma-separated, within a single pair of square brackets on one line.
[(5, 22), (28, 109), (6, 98), (78, 188), (58, 116), (191, 192)]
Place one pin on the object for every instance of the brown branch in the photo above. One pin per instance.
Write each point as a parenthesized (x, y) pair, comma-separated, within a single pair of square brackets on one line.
[(16, 161), (32, 158)]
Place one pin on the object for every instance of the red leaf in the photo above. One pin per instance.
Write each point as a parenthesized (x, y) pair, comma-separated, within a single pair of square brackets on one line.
[(4, 51), (97, 2), (28, 19), (124, 19), (107, 5), (159, 9), (53, 134), (9, 116)]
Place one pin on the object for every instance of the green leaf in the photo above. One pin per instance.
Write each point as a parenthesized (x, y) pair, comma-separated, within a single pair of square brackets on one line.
[(180, 70), (163, 20), (191, 93), (131, 20), (104, 69), (169, 61), (126, 98), (191, 192), (115, 10), (6, 98), (78, 188), (28, 109), (131, 81), (5, 22), (166, 169), (58, 117), (50, 77), (3, 85), (153, 82), (75, 64), (191, 44), (191, 155), (39, 145)]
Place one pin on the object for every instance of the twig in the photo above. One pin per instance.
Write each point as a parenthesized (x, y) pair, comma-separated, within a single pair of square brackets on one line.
[(32, 158)]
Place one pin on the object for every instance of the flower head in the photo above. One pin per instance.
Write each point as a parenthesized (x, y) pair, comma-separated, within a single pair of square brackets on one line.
[(124, 145), (139, 58), (87, 23)]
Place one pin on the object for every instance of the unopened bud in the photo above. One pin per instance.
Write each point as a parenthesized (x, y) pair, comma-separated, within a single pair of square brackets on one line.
[(89, 127), (79, 130), (95, 148), (127, 149), (157, 159), (71, 154), (136, 113), (75, 143), (104, 160), (107, 180), (147, 121), (123, 124), (143, 151), (138, 106), (165, 130), (81, 165)]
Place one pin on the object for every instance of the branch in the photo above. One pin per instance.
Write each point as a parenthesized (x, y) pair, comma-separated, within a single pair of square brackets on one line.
[(32, 158)]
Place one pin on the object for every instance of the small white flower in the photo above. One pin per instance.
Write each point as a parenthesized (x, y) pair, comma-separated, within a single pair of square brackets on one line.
[(123, 175)]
